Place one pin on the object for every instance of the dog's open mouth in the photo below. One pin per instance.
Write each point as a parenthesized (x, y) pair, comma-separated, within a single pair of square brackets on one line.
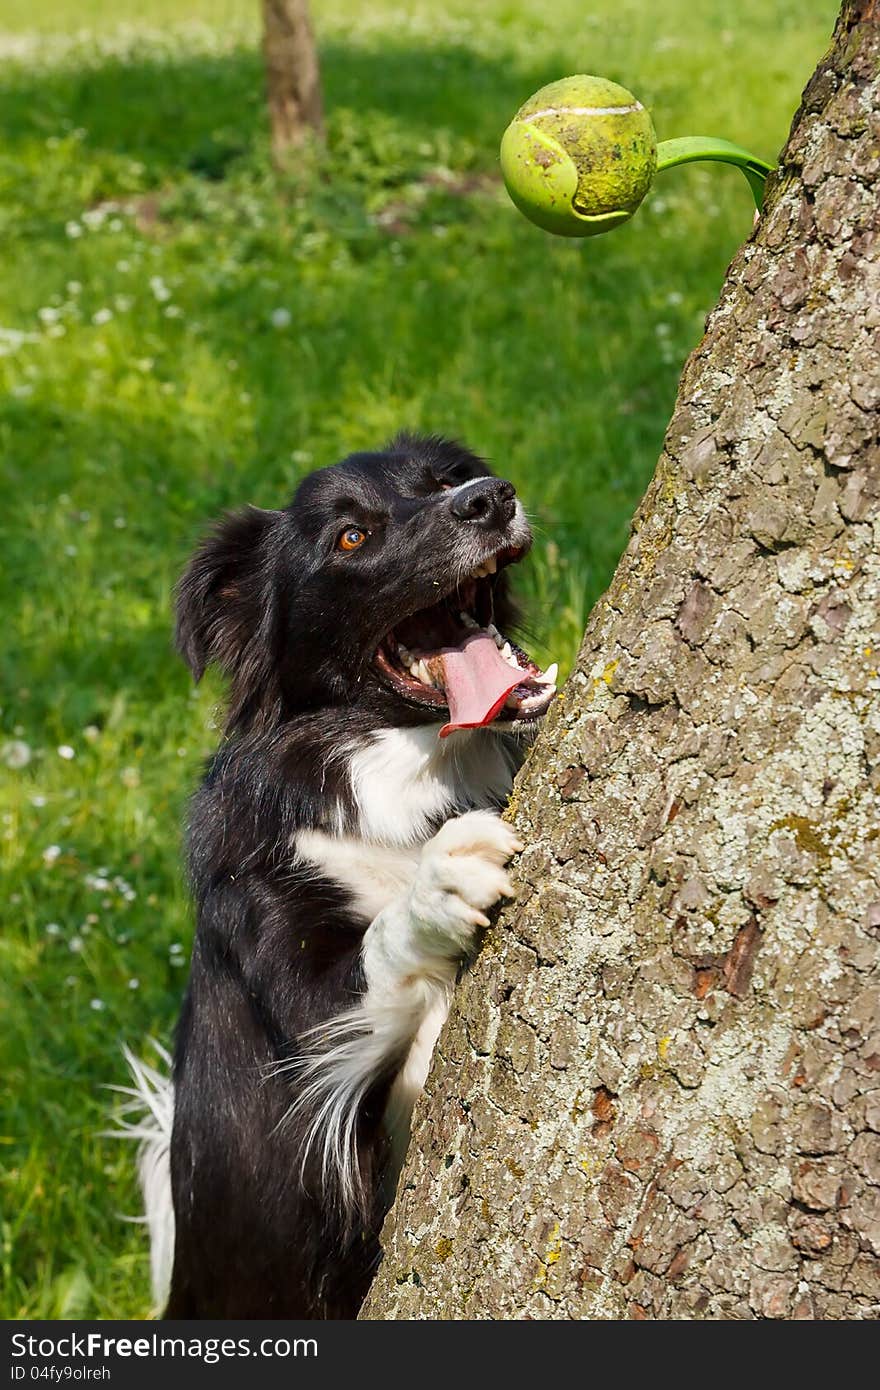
[(451, 656)]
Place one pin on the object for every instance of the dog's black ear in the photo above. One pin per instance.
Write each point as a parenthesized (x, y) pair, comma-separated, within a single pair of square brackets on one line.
[(224, 599)]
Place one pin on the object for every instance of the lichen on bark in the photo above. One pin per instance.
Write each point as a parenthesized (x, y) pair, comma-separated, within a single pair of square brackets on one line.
[(657, 1094)]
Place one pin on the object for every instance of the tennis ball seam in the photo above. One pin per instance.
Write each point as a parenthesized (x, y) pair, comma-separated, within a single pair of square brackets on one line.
[(583, 111)]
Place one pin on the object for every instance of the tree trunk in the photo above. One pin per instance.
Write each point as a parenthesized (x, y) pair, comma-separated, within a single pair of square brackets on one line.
[(658, 1095), (293, 78)]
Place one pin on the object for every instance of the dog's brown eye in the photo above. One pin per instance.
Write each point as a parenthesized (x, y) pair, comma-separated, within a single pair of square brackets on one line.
[(351, 538)]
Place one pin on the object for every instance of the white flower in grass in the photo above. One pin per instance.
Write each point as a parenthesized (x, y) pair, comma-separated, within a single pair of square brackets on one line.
[(70, 551), (52, 929), (91, 733), (173, 311), (125, 890), (50, 854), (134, 983), (280, 318), (38, 801), (17, 753), (75, 944), (97, 1005), (74, 287), (301, 456), (130, 777), (120, 523), (48, 314), (73, 230), (160, 290), (102, 316), (13, 338), (66, 752)]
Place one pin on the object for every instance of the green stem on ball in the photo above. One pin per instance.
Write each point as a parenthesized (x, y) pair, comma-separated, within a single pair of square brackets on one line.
[(693, 147)]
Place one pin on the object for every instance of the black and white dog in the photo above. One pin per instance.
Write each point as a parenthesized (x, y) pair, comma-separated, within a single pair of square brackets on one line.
[(344, 848)]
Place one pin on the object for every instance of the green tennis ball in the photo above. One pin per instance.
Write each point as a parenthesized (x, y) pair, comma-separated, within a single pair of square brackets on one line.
[(579, 156)]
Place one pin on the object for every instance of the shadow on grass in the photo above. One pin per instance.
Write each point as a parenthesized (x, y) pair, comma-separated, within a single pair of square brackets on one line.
[(195, 113)]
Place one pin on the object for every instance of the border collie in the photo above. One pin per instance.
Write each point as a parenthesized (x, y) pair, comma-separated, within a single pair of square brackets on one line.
[(344, 848)]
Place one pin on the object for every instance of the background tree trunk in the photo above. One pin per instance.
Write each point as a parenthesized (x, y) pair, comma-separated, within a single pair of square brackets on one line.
[(658, 1093), (293, 78)]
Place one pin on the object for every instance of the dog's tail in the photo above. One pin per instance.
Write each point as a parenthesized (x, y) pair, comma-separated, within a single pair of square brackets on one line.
[(146, 1117)]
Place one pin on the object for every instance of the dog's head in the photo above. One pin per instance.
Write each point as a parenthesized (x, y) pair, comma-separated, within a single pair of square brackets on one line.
[(384, 584)]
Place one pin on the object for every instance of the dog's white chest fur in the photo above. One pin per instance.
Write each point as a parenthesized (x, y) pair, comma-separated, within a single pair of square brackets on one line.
[(423, 895), (404, 782), (373, 874)]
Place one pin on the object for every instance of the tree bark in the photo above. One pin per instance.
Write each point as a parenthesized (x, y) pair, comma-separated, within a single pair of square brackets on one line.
[(293, 78), (658, 1094)]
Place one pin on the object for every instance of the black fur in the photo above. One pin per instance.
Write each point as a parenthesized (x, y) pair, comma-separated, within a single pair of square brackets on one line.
[(294, 623)]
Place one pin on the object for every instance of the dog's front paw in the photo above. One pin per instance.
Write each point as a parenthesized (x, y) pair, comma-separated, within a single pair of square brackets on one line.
[(461, 873)]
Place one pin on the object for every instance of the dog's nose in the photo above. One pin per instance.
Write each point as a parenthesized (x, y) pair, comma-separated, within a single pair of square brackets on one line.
[(486, 502)]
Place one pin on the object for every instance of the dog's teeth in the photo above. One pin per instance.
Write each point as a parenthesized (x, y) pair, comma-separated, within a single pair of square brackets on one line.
[(405, 655), (549, 676), (507, 653), (424, 674), (492, 629), (491, 565)]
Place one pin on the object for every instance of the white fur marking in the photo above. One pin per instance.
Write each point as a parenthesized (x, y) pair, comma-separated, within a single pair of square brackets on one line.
[(405, 780), (151, 1101), (410, 1080), (371, 873), (411, 953)]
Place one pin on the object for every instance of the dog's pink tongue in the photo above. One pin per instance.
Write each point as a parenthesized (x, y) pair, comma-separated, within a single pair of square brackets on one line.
[(477, 680)]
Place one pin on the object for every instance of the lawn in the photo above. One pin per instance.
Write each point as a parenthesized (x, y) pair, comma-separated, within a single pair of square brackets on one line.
[(182, 331)]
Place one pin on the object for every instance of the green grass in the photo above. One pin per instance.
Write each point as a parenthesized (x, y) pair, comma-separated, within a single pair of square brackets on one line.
[(147, 384)]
